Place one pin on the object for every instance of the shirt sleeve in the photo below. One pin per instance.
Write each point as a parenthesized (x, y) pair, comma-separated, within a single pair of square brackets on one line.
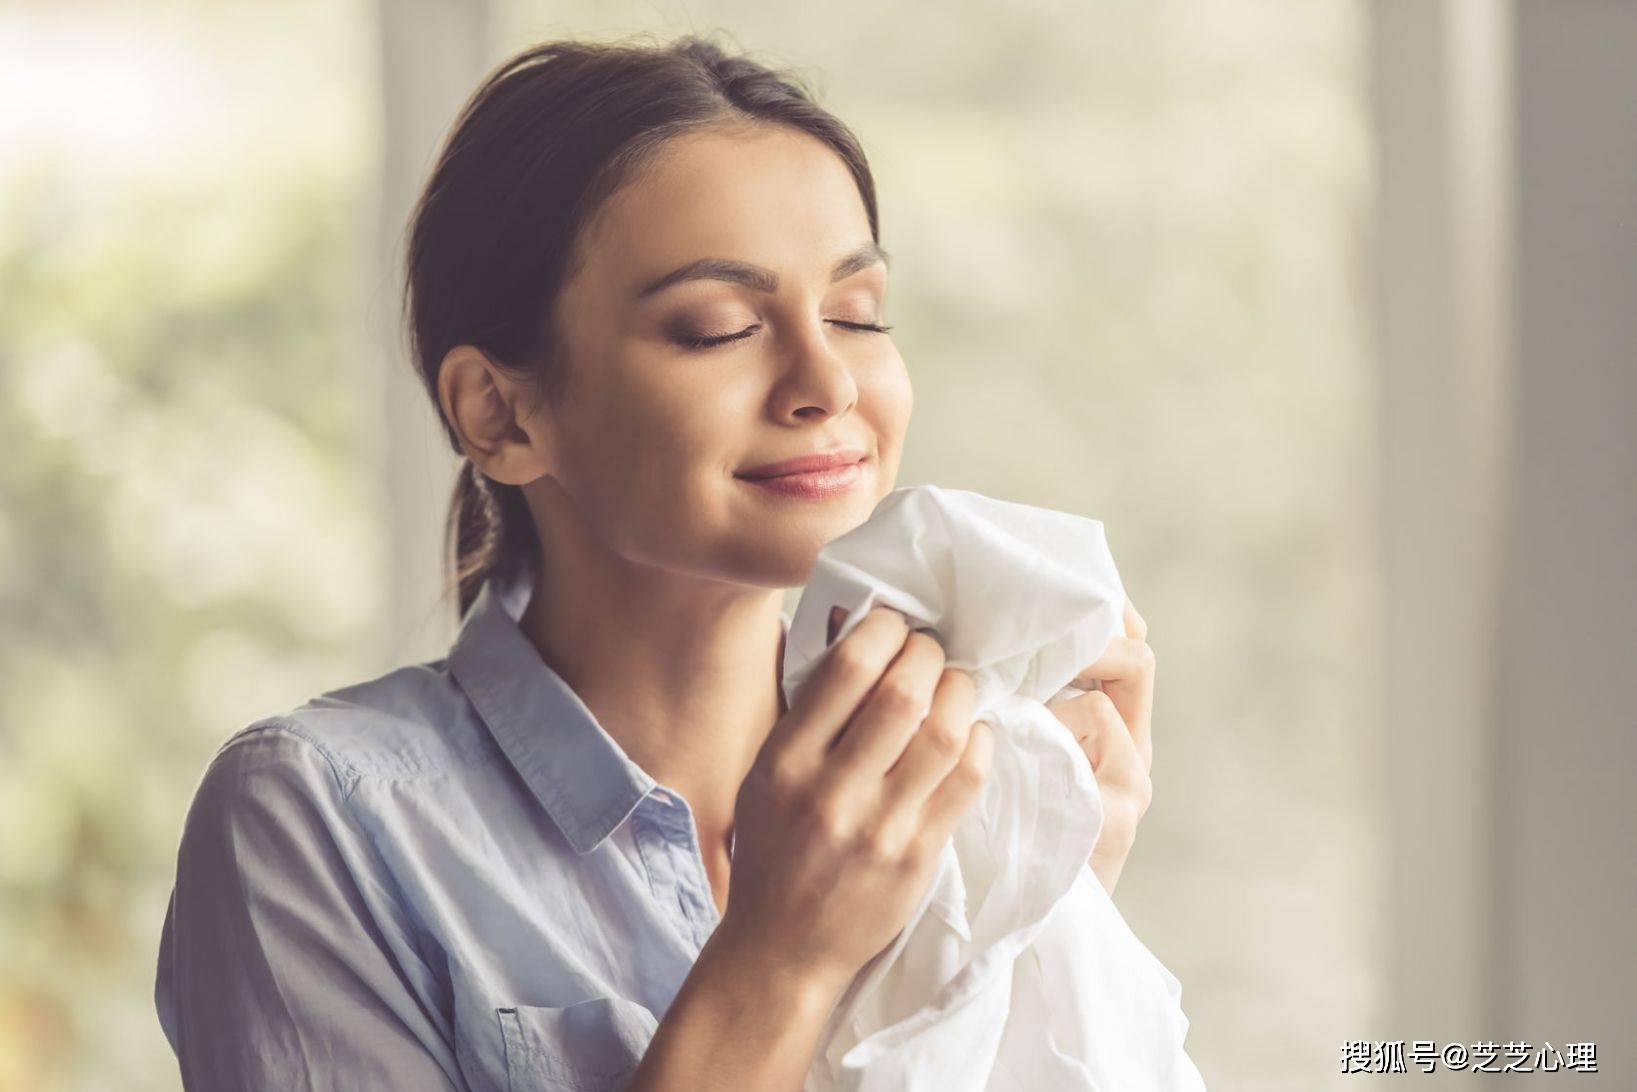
[(273, 973)]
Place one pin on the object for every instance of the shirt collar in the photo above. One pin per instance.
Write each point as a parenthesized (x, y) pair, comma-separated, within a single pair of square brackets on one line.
[(585, 780), (579, 773)]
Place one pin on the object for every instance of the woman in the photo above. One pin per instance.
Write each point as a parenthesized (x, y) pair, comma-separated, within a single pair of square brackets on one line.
[(645, 291)]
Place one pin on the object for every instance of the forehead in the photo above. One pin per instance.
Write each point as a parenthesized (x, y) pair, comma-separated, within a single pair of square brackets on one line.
[(767, 195)]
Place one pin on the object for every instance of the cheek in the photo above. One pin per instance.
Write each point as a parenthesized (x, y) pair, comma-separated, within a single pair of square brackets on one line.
[(901, 396), (886, 400), (885, 392), (643, 461)]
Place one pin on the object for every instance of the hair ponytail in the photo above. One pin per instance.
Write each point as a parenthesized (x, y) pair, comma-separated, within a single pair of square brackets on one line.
[(489, 532), (544, 141)]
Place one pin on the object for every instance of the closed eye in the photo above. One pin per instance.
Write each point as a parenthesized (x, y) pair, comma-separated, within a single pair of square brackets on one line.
[(690, 341)]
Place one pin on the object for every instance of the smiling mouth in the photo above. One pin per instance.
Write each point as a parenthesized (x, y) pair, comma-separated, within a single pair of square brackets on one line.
[(816, 484), (831, 459)]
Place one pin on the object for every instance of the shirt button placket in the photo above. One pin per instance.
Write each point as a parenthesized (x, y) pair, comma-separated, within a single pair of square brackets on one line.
[(705, 915), (656, 856), (695, 879), (676, 869)]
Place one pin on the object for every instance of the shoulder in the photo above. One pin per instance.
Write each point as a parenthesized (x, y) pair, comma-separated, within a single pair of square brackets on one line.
[(268, 792), (411, 722), (291, 775)]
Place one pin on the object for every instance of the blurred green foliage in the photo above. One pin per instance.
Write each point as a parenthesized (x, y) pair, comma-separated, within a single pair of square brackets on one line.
[(186, 537)]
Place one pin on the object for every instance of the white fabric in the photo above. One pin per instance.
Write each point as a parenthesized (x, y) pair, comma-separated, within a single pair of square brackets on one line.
[(1016, 971)]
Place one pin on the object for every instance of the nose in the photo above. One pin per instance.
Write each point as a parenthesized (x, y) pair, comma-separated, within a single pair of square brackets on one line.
[(817, 383)]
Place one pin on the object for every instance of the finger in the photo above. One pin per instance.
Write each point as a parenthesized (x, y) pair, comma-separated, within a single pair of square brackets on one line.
[(1124, 658), (891, 713), (1134, 624), (937, 744), (838, 615), (956, 791), (1125, 673), (1106, 741), (827, 699)]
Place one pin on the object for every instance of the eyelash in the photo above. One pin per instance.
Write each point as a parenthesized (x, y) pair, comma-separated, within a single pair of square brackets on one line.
[(689, 342)]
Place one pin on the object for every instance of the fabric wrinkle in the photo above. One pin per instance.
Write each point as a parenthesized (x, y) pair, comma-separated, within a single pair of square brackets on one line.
[(1014, 932)]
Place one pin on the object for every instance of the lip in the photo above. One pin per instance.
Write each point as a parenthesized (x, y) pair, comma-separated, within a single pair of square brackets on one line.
[(836, 459), (813, 484)]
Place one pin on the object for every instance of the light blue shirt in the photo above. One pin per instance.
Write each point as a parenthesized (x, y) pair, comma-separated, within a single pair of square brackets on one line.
[(448, 877)]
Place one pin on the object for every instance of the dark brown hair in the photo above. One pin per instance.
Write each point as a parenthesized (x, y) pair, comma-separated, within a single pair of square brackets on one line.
[(544, 141)]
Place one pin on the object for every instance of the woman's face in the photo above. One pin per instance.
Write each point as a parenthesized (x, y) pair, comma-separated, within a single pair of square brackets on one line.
[(653, 435)]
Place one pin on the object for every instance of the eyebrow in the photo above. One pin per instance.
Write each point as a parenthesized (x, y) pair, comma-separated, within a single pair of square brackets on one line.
[(759, 277)]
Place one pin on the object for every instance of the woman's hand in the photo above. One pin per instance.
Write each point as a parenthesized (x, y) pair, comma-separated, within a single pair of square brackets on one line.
[(842, 819), (1112, 726), (838, 829)]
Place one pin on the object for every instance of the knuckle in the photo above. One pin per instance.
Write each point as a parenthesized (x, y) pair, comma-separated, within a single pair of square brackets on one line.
[(972, 769), (1128, 803), (829, 823), (926, 643), (781, 777), (881, 846), (1144, 793), (1139, 625), (849, 661), (891, 617), (895, 697), (1145, 655), (944, 736), (786, 776), (961, 680)]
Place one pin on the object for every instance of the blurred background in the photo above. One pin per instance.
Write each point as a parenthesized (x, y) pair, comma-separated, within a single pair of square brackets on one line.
[(1326, 309)]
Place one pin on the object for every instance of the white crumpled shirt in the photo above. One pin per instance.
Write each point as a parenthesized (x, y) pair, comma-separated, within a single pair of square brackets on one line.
[(1016, 971)]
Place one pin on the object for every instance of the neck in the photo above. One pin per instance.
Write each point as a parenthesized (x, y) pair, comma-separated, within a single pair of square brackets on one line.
[(682, 671)]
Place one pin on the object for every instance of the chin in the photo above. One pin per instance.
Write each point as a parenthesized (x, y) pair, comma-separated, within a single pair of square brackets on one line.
[(781, 552), (772, 562)]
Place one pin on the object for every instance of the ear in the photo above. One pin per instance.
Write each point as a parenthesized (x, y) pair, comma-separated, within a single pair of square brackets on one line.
[(503, 425)]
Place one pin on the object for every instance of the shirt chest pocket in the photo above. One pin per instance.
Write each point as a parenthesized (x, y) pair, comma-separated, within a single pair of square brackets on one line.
[(590, 1046)]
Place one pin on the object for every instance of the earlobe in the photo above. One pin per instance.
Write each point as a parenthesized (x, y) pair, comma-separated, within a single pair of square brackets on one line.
[(486, 408)]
